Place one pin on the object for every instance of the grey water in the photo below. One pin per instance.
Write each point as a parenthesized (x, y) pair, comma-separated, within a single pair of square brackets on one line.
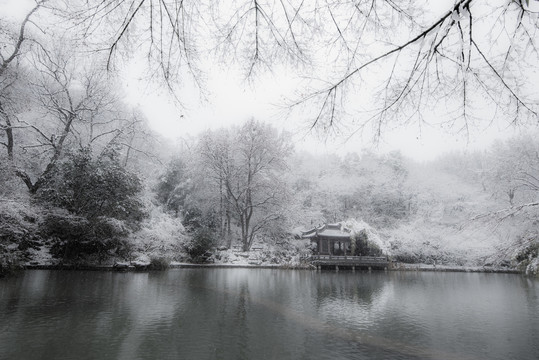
[(268, 314)]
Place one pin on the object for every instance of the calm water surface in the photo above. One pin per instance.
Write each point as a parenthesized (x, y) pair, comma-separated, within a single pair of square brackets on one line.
[(268, 314)]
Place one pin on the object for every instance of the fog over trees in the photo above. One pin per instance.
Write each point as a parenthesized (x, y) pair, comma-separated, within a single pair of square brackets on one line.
[(84, 178)]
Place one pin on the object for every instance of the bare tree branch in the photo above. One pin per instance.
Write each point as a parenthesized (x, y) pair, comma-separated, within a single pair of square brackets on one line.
[(6, 60)]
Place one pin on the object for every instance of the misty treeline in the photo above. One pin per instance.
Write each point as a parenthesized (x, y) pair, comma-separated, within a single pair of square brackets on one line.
[(464, 208)]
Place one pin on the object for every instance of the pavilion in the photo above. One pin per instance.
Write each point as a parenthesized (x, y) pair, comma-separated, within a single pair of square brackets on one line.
[(330, 239)]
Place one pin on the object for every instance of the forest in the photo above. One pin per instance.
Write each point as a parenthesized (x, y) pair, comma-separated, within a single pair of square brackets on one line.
[(85, 180)]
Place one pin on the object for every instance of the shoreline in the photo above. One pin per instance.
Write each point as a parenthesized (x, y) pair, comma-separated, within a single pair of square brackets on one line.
[(455, 268), (177, 265)]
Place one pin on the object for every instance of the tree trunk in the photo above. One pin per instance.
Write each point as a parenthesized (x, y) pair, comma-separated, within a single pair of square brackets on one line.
[(222, 219), (58, 150), (228, 226), (244, 228), (511, 194), (9, 133), (26, 180)]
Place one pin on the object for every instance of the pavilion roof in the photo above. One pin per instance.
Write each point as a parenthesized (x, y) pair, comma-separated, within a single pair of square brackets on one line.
[(337, 231)]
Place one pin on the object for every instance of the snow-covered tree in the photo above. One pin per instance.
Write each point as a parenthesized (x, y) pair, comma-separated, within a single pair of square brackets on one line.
[(247, 165)]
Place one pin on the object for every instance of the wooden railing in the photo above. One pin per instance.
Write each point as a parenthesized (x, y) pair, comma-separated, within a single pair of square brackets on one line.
[(350, 259)]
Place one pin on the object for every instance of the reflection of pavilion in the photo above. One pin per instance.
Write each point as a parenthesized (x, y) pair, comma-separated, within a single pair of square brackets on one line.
[(326, 238), (333, 248)]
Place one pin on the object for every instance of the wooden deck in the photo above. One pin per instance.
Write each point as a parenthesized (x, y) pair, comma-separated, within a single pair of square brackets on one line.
[(379, 262)]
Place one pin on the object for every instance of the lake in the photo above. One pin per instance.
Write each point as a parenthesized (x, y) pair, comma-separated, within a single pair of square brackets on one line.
[(268, 314)]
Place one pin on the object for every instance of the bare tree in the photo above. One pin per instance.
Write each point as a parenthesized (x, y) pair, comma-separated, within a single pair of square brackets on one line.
[(374, 62), (74, 105), (473, 56), (249, 175), (10, 52), (216, 151), (9, 55)]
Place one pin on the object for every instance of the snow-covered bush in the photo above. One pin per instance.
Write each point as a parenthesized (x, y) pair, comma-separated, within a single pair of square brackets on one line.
[(200, 244), (159, 262), (362, 246), (94, 203), (75, 237), (161, 234), (95, 187), (533, 267), (18, 231), (9, 263), (15, 224), (527, 257), (359, 226)]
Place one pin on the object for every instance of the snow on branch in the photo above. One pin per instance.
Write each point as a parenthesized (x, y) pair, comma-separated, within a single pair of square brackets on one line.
[(503, 214)]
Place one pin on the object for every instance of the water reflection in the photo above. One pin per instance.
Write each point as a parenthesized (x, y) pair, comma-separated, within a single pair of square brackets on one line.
[(267, 314)]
